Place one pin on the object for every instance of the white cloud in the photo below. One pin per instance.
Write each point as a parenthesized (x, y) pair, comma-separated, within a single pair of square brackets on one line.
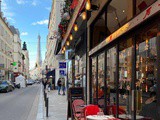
[(7, 11), (4, 5), (35, 2), (11, 20), (32, 2), (42, 22), (48, 8), (21, 1), (24, 33)]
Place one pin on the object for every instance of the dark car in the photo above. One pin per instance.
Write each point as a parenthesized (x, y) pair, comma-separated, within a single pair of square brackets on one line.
[(6, 86)]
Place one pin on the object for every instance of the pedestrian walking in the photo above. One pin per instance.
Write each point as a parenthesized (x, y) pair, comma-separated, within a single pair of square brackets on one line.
[(63, 86), (59, 84)]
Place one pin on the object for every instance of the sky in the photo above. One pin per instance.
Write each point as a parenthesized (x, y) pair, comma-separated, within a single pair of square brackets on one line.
[(31, 18)]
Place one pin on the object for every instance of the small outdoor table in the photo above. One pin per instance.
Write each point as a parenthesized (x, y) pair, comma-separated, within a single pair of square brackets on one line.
[(128, 117), (101, 117)]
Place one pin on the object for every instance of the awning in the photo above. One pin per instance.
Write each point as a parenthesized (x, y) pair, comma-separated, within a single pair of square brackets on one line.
[(57, 48), (50, 73), (72, 21)]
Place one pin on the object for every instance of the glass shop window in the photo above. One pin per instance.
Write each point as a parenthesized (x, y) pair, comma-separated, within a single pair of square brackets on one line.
[(99, 32), (101, 86), (111, 80), (94, 81), (125, 74), (146, 72), (118, 13)]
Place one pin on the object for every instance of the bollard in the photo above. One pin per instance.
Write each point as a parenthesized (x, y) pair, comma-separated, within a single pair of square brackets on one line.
[(45, 96), (47, 102)]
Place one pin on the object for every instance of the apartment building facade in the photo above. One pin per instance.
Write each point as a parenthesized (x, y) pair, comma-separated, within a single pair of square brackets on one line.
[(52, 61), (6, 49)]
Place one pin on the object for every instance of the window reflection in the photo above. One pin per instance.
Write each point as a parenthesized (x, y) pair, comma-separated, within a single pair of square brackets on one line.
[(101, 80), (99, 31), (94, 82), (125, 65), (146, 83), (111, 80)]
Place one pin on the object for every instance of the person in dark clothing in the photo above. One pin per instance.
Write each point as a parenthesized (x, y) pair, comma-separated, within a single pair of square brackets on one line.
[(149, 109), (63, 85), (44, 83), (59, 84)]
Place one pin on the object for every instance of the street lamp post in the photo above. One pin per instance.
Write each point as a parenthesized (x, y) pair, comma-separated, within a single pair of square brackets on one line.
[(23, 58)]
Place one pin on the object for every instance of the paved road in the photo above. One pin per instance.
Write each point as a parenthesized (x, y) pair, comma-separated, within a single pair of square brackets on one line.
[(17, 105)]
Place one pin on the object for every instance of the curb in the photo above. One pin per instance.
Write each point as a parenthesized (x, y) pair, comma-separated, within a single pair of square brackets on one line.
[(40, 115), (34, 108)]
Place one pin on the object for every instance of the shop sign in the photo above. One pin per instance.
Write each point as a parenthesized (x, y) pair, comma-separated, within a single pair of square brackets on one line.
[(62, 64), (62, 72), (154, 8), (2, 65)]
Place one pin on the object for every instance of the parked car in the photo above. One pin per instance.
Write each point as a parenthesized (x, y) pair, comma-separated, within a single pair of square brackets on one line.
[(30, 82), (11, 83), (6, 86), (37, 81)]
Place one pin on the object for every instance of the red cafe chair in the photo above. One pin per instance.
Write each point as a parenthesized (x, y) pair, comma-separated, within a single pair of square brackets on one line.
[(78, 111)]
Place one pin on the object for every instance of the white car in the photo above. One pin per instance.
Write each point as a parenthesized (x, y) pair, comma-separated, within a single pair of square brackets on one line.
[(30, 82)]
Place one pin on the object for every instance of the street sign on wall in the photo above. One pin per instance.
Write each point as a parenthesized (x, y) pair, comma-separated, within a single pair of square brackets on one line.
[(2, 65), (62, 72), (62, 64)]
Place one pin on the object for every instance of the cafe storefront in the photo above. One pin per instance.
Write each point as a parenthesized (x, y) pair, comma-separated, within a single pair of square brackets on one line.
[(124, 57)]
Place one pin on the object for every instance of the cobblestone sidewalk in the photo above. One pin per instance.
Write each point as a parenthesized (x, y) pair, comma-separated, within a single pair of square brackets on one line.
[(57, 106)]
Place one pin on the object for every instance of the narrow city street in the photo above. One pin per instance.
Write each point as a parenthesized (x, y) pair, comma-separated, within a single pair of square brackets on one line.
[(18, 105)]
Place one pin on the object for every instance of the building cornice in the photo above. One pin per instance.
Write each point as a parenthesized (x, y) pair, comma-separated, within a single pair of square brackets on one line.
[(6, 24)]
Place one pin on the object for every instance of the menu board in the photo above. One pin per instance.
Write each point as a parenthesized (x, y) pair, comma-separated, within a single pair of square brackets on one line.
[(74, 93)]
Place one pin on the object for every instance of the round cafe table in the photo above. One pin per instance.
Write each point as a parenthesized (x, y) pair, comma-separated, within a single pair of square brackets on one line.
[(100, 117)]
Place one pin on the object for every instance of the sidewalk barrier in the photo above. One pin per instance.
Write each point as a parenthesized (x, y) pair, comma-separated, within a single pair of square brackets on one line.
[(45, 99), (47, 102), (44, 94)]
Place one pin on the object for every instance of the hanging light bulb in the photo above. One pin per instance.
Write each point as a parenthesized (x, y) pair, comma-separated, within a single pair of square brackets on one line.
[(71, 37), (75, 27), (88, 5), (67, 43), (84, 15), (64, 48)]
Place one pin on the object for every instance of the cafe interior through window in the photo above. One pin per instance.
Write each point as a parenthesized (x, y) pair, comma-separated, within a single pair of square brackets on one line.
[(94, 81), (125, 73), (146, 65)]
